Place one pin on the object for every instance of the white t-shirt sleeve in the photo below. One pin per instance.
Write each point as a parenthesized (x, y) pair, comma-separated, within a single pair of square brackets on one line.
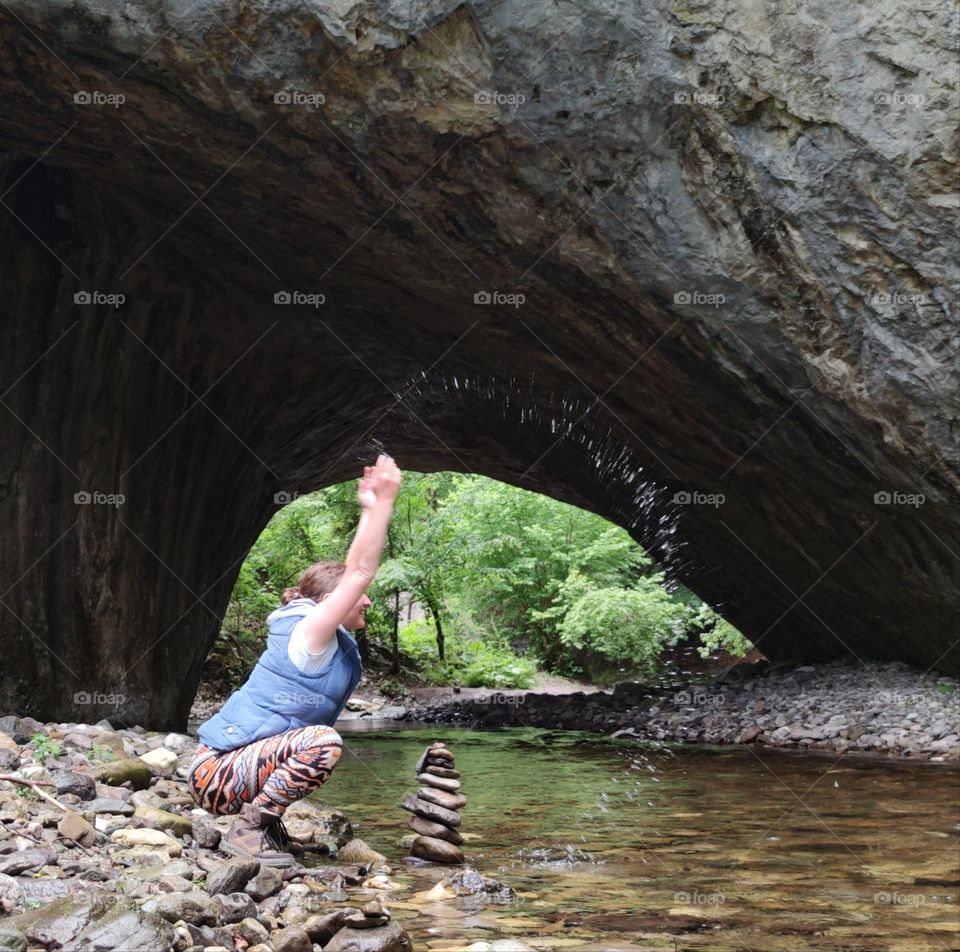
[(305, 660)]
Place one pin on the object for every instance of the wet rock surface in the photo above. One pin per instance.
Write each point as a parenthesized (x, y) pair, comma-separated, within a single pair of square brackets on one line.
[(130, 864), (871, 707)]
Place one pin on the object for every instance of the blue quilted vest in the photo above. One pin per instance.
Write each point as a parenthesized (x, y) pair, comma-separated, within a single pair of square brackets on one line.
[(277, 697)]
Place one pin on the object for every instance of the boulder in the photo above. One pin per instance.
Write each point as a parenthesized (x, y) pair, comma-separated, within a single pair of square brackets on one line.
[(126, 928), (310, 822), (27, 861), (431, 811), (75, 828), (117, 772), (322, 929), (12, 940), (449, 801), (155, 839), (165, 820), (58, 924), (161, 761), (195, 907), (232, 876), (235, 907), (11, 895), (357, 851), (439, 783), (437, 850), (424, 827), (78, 784), (291, 939), (388, 938), (266, 883)]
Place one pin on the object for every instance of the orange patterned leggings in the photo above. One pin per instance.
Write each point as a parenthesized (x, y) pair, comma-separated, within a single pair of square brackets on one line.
[(271, 773)]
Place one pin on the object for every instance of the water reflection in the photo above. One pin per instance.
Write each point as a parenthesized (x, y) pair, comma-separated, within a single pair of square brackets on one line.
[(613, 846)]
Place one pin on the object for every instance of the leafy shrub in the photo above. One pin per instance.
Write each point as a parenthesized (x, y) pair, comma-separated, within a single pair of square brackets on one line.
[(473, 663), (622, 624)]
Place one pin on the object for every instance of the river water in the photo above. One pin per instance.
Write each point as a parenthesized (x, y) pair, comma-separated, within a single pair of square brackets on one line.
[(613, 846)]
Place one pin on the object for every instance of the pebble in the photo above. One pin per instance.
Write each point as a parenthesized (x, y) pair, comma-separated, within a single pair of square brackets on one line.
[(146, 837), (437, 850), (430, 811), (441, 783), (428, 828), (450, 801)]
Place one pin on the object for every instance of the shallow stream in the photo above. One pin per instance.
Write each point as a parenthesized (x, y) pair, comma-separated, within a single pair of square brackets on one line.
[(614, 846)]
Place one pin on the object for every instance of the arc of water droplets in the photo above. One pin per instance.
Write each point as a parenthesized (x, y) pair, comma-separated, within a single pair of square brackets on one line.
[(649, 513)]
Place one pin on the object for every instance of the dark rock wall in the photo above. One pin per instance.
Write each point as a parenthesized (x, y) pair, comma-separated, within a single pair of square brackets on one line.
[(734, 235)]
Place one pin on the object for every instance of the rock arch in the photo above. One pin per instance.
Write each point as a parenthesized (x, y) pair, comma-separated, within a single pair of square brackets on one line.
[(736, 269)]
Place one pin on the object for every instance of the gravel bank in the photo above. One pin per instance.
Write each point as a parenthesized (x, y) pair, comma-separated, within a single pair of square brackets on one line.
[(885, 708)]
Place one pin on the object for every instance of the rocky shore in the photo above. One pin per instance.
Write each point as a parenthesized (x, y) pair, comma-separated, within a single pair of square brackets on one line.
[(102, 848), (880, 708)]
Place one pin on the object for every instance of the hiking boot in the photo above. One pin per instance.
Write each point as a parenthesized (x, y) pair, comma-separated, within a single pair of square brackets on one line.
[(253, 836)]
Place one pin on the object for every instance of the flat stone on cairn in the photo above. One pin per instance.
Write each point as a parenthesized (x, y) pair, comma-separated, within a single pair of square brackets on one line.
[(434, 807)]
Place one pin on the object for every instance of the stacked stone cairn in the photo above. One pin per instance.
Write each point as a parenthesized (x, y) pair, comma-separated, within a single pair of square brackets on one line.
[(434, 807)]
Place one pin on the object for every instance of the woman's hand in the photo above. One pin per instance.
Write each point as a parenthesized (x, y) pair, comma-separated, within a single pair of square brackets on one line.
[(380, 483)]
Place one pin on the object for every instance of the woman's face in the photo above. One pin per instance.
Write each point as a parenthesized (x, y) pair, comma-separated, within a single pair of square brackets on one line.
[(355, 618)]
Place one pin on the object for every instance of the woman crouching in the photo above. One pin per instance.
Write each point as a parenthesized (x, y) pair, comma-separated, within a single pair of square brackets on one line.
[(272, 743)]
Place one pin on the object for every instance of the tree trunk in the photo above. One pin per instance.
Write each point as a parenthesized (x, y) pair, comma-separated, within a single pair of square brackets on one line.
[(395, 634), (437, 624)]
